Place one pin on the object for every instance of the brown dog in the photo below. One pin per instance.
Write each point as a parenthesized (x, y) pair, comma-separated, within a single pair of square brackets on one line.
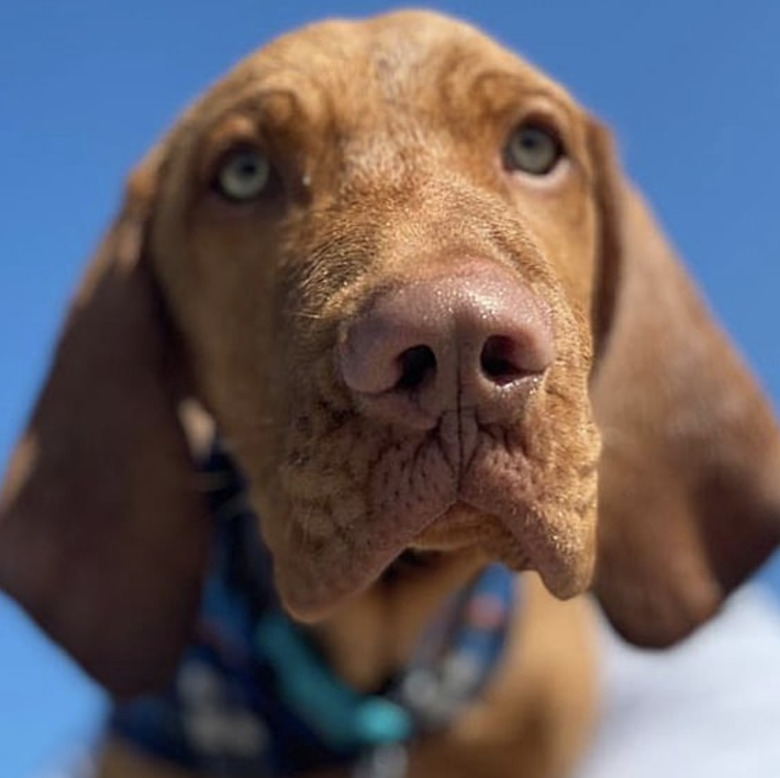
[(402, 272)]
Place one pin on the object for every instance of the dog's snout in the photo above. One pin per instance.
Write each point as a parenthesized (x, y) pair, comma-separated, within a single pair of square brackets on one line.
[(472, 339)]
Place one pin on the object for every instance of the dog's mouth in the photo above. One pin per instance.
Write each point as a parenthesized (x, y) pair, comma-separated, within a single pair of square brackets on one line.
[(512, 499), (413, 562)]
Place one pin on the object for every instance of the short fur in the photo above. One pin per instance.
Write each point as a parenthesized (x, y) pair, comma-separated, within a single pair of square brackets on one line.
[(646, 451)]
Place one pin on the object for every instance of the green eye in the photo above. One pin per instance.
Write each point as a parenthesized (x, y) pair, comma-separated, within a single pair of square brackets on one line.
[(243, 175), (534, 150)]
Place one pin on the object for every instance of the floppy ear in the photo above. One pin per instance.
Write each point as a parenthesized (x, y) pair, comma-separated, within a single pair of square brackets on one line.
[(689, 496), (102, 537)]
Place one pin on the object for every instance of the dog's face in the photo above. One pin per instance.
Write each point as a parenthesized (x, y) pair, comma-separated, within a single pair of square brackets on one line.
[(305, 200), (402, 271)]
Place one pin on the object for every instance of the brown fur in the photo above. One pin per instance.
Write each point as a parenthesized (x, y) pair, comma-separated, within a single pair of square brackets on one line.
[(534, 721), (387, 138)]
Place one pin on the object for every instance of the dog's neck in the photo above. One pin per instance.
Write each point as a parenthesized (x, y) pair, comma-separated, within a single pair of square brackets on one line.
[(370, 637), (373, 634)]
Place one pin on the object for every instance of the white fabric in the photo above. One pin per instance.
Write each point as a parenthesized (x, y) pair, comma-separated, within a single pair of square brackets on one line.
[(707, 709)]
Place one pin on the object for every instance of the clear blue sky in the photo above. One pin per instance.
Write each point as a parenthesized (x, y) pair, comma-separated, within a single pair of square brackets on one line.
[(693, 90)]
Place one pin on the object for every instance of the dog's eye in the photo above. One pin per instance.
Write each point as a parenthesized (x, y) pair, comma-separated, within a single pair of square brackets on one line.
[(534, 150), (243, 175)]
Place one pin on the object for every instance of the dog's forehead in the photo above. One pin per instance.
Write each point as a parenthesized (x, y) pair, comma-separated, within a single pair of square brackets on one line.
[(395, 58), (407, 43)]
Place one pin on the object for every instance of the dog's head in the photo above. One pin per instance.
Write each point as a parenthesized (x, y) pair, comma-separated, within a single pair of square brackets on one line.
[(400, 269)]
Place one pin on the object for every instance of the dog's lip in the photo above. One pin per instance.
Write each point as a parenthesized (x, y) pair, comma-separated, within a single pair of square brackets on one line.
[(314, 603), (564, 564)]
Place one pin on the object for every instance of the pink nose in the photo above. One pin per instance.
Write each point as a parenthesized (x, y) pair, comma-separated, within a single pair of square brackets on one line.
[(471, 340)]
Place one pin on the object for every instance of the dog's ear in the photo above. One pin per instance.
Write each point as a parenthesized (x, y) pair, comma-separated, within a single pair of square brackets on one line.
[(689, 496), (102, 536)]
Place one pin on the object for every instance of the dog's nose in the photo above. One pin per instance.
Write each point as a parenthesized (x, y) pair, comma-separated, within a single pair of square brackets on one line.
[(469, 340)]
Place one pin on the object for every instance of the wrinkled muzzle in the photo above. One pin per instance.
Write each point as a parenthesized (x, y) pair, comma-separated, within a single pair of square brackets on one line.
[(452, 429)]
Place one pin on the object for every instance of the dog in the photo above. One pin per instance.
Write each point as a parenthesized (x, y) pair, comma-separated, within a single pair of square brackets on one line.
[(391, 278)]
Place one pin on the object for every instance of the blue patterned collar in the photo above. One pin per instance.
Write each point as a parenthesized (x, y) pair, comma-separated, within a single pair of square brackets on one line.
[(254, 696)]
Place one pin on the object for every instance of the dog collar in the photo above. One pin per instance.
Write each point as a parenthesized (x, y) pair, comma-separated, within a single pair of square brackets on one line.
[(253, 695)]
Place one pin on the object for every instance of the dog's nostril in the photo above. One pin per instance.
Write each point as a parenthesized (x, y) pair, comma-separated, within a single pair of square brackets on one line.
[(416, 364), (498, 360)]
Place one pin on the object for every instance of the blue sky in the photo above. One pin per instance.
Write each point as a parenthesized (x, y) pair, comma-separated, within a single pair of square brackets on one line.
[(692, 89)]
